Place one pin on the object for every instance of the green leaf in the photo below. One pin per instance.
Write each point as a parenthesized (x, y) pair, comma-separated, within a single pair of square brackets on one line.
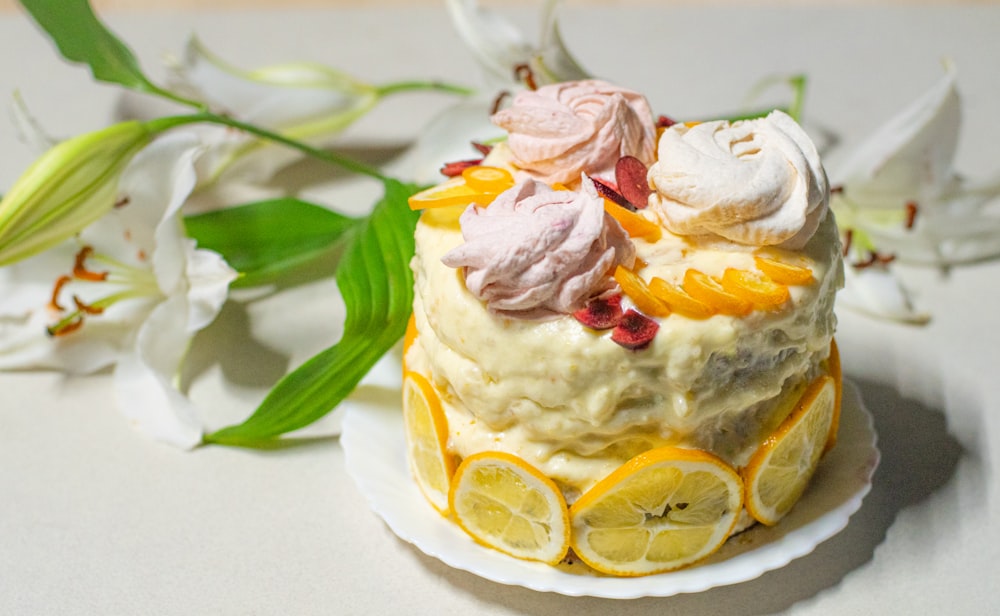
[(375, 280), (267, 240), (81, 37)]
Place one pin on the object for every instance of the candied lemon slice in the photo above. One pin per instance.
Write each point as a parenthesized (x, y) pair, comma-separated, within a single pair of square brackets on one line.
[(679, 301), (759, 290), (704, 288), (487, 179), (636, 289), (634, 224), (451, 193), (782, 466), (663, 509), (782, 272), (426, 439), (506, 504)]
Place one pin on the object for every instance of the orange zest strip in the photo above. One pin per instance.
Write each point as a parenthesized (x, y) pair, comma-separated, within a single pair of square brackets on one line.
[(705, 288), (56, 290), (80, 270), (680, 301), (634, 224), (784, 273), (759, 290), (636, 289)]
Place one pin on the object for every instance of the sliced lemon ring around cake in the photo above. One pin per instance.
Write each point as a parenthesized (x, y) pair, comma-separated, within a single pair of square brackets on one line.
[(506, 504), (426, 438), (781, 468), (664, 509)]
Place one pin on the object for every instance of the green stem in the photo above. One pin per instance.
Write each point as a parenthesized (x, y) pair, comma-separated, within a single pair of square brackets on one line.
[(798, 83), (434, 86), (161, 124)]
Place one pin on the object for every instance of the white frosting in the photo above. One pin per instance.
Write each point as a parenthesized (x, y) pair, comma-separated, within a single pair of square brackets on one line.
[(562, 130), (757, 182), (537, 252)]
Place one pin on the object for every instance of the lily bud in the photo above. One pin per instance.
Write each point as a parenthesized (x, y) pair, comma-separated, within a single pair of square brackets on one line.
[(300, 99), (70, 186)]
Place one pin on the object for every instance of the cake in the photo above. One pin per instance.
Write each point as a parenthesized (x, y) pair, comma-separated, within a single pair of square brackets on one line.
[(609, 298)]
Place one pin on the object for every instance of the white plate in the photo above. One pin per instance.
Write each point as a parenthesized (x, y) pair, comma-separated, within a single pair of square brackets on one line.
[(375, 455)]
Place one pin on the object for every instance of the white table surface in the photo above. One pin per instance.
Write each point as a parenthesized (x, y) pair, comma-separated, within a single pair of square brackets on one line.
[(94, 519)]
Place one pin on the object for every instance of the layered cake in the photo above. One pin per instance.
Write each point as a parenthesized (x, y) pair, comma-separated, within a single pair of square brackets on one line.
[(627, 320)]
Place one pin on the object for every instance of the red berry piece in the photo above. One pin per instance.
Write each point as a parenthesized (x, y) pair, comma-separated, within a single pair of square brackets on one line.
[(454, 169), (611, 194), (665, 122), (601, 312), (635, 331), (630, 174)]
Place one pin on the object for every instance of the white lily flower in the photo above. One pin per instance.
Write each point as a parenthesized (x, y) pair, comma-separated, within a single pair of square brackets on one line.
[(138, 291), (298, 100), (877, 292), (500, 47), (901, 190)]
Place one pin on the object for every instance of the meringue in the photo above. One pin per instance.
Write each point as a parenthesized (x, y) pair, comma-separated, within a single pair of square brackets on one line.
[(755, 182)]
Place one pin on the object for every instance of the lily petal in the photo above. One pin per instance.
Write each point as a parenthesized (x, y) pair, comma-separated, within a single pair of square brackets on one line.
[(143, 379), (901, 189), (447, 137), (877, 292), (499, 46), (305, 101), (299, 99), (910, 156)]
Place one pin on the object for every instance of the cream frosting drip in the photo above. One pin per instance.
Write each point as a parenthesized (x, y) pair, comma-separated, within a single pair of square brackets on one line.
[(536, 252), (562, 130), (757, 182)]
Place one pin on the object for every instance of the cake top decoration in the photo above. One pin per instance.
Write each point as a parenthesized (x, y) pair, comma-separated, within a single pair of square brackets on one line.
[(538, 252), (756, 182), (561, 130)]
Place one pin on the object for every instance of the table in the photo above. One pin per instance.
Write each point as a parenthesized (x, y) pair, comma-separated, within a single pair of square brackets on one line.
[(95, 519)]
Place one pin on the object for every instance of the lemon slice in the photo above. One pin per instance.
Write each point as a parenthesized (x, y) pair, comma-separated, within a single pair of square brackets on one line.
[(782, 272), (706, 289), (634, 224), (638, 291), (782, 466), (758, 289), (506, 504), (678, 300), (487, 179), (663, 509), (426, 439), (478, 184)]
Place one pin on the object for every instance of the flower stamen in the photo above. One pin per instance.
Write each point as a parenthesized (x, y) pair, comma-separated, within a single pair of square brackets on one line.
[(56, 290), (86, 308), (498, 101), (80, 270), (66, 326), (523, 72), (911, 214)]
